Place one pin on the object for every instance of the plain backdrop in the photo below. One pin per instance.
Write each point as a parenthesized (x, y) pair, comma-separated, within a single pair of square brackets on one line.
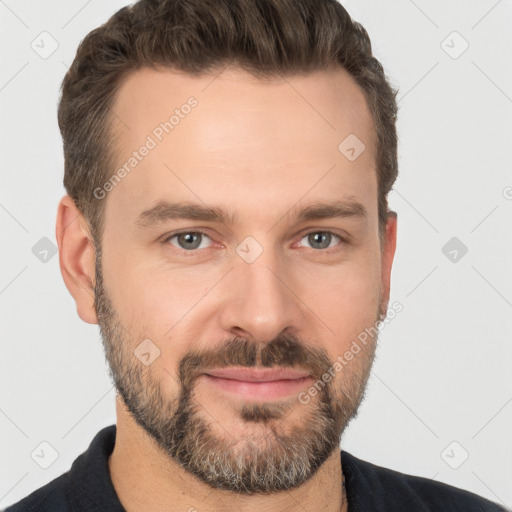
[(439, 400)]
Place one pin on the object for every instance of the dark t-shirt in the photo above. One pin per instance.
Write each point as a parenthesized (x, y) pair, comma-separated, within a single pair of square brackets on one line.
[(87, 487)]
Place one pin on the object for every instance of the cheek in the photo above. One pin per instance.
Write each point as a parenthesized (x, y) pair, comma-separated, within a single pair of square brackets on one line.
[(158, 305), (347, 302)]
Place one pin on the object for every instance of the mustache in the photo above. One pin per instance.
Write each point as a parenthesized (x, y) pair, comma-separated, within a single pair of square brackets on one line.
[(286, 351)]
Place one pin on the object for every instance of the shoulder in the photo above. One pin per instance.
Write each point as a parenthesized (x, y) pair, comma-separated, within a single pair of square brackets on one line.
[(85, 486), (49, 498), (378, 488)]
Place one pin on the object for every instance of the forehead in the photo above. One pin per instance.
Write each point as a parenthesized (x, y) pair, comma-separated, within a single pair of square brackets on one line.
[(229, 137)]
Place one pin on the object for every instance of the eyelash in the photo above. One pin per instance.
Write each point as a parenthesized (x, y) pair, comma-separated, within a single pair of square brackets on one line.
[(196, 251)]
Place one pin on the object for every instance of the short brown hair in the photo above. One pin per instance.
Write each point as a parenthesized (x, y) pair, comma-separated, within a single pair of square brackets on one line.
[(263, 37)]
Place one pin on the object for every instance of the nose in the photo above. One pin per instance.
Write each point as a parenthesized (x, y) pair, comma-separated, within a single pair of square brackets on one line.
[(263, 300)]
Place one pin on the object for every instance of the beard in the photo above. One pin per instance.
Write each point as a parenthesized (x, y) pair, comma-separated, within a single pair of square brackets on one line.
[(271, 454)]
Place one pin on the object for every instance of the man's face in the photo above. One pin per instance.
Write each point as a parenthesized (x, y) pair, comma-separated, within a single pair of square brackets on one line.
[(259, 289)]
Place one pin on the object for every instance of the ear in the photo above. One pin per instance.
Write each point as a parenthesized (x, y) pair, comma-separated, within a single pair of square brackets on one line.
[(388, 253), (77, 257)]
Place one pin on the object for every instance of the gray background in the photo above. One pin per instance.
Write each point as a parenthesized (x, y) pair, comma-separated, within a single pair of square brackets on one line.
[(441, 387)]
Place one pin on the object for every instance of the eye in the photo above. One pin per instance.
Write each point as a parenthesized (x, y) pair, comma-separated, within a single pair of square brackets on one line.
[(189, 241), (322, 239), (192, 242)]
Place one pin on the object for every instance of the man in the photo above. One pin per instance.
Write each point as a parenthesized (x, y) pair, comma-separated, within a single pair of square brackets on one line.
[(263, 135)]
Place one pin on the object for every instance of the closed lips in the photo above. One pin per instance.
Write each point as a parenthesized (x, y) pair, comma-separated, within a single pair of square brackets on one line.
[(250, 375)]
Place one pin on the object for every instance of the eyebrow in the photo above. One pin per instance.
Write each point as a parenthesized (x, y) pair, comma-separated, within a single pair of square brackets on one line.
[(164, 211)]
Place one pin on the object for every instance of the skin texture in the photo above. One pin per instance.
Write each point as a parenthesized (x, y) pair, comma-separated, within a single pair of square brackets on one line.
[(262, 149)]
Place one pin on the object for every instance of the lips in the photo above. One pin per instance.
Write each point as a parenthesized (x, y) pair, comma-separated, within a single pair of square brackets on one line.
[(260, 384), (258, 375)]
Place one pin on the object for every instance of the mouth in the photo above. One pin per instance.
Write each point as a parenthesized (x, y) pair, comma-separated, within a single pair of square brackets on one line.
[(258, 384)]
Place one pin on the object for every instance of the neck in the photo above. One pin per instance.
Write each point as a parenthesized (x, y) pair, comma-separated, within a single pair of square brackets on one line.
[(146, 479)]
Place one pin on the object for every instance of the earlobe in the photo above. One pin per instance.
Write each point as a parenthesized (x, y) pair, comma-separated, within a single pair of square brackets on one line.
[(77, 257)]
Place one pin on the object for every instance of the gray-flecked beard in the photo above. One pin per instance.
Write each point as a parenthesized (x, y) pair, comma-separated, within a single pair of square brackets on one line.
[(282, 454)]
